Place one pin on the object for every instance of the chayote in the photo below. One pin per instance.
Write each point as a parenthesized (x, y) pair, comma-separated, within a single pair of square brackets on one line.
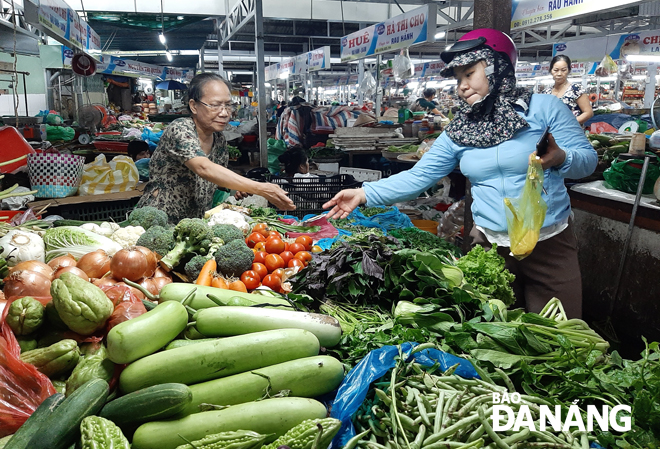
[(90, 367), (83, 306), (27, 343), (25, 315), (53, 320), (54, 360)]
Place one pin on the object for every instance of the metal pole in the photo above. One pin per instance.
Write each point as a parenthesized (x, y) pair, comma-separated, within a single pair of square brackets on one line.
[(360, 77), (221, 68), (201, 59), (379, 90), (649, 93), (261, 82), (27, 114)]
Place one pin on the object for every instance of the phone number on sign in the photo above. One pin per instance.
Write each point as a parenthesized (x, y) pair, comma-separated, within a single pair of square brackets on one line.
[(537, 19)]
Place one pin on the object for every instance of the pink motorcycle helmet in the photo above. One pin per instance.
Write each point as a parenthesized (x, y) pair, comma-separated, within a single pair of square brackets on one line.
[(488, 37)]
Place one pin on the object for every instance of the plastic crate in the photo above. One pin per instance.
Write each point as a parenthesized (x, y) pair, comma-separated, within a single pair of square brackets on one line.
[(361, 174), (100, 211), (309, 194)]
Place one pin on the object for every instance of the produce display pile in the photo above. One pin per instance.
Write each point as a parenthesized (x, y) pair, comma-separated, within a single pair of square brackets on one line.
[(222, 332)]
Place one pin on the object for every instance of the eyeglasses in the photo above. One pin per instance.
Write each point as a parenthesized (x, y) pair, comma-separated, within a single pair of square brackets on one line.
[(228, 107)]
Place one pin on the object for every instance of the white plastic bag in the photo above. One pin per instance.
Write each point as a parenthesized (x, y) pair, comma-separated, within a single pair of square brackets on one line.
[(368, 84), (402, 66), (118, 175)]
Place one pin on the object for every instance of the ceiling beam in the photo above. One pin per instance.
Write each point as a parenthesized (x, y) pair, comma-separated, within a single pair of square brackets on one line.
[(241, 14)]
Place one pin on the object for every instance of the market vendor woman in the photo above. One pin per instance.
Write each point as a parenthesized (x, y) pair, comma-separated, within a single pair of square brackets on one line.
[(191, 159)]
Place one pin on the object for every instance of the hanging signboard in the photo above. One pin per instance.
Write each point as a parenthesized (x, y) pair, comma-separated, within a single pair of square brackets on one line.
[(311, 61), (319, 59), (414, 27), (59, 21), (618, 47), (526, 13), (431, 68)]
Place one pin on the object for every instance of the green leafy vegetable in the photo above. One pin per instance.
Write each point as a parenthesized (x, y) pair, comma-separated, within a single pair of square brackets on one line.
[(485, 271)]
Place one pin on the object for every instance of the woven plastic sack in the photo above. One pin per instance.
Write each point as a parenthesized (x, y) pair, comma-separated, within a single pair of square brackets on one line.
[(353, 389), (525, 214), (100, 176), (55, 175), (624, 175)]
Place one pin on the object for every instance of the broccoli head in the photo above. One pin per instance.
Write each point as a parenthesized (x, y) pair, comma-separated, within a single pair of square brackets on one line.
[(158, 239), (147, 217), (227, 232), (194, 267), (191, 236), (234, 258)]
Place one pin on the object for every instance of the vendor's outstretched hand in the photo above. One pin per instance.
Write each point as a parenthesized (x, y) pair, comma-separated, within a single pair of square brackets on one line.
[(276, 196), (554, 157), (241, 195), (344, 202)]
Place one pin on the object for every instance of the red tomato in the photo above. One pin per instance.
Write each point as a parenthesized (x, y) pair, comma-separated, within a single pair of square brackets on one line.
[(251, 279), (274, 246), (273, 262), (274, 234), (286, 256), (260, 269), (279, 273), (261, 246), (260, 257), (254, 238), (296, 248), (261, 228), (273, 282), (296, 263), (286, 246), (304, 256), (306, 241)]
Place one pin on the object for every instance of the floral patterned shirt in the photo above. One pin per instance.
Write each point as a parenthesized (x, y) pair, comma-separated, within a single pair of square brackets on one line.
[(570, 97), (173, 187)]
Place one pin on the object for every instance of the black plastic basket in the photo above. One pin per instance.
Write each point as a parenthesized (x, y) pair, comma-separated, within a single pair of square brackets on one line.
[(102, 211), (309, 194)]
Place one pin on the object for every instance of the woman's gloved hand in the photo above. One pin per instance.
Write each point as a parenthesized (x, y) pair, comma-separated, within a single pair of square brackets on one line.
[(344, 202)]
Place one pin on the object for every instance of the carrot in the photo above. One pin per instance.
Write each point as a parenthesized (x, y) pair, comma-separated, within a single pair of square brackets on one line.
[(219, 282), (206, 275), (238, 286)]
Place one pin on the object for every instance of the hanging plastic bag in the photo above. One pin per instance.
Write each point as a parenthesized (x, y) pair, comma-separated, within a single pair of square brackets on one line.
[(118, 175), (23, 387), (624, 175), (525, 214), (368, 84), (402, 67), (607, 66)]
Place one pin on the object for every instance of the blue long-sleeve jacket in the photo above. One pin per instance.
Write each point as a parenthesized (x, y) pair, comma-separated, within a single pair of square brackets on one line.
[(499, 172)]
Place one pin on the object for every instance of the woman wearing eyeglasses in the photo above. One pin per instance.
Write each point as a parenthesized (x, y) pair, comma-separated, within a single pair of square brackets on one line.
[(191, 158), (572, 94)]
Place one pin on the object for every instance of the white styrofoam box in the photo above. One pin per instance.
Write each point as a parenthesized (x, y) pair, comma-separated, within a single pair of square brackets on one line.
[(350, 122), (361, 174), (331, 167)]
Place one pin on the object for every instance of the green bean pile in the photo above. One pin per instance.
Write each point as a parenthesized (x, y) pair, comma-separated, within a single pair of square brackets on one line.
[(419, 410)]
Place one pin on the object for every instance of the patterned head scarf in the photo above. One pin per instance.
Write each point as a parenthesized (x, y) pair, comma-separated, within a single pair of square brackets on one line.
[(492, 120)]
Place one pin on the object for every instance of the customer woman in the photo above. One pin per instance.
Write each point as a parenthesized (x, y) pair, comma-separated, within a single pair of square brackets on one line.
[(191, 158), (427, 102), (572, 94), (492, 137)]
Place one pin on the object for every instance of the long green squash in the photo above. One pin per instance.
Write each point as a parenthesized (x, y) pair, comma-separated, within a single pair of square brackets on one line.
[(308, 378), (228, 321), (26, 432), (272, 417), (214, 359), (176, 291)]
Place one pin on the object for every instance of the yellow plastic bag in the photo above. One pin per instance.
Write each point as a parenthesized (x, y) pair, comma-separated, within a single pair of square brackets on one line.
[(525, 215), (100, 176)]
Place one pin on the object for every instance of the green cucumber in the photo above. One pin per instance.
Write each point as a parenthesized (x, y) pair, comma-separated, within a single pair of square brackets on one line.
[(149, 404), (214, 359), (307, 378), (62, 427), (272, 417), (26, 432), (229, 321), (181, 343), (146, 334), (176, 291)]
